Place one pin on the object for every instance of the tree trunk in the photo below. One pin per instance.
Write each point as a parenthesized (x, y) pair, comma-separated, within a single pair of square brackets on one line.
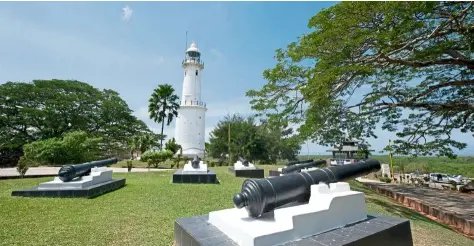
[(161, 139), (163, 125)]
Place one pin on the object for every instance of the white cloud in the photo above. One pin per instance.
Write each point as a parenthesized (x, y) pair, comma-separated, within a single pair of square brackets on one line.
[(126, 13), (216, 53)]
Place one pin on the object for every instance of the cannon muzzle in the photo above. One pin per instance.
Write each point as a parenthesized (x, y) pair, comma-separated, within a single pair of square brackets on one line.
[(70, 172), (244, 161), (195, 162), (260, 196), (299, 166)]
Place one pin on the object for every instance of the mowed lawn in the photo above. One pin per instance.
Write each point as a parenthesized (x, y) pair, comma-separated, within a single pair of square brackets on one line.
[(143, 212)]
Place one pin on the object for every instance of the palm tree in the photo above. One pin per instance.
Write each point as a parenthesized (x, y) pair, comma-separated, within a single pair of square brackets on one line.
[(163, 106)]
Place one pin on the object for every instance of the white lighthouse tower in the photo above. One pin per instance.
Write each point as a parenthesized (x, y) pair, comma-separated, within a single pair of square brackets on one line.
[(190, 123)]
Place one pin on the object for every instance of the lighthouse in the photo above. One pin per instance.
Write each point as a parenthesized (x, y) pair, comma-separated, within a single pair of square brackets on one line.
[(190, 123)]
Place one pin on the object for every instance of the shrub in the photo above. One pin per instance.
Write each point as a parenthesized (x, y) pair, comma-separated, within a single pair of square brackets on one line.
[(385, 175), (154, 158), (22, 166), (129, 166), (385, 179), (74, 147)]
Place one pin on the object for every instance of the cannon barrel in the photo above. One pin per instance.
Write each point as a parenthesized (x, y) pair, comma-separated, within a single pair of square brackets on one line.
[(70, 172), (299, 166), (260, 196), (195, 162), (243, 161), (291, 163)]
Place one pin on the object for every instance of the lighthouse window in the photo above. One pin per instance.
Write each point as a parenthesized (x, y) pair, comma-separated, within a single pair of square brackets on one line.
[(184, 72), (196, 72)]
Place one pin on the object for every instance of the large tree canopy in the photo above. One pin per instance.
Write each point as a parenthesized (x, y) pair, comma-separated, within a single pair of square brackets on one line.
[(49, 108), (405, 65)]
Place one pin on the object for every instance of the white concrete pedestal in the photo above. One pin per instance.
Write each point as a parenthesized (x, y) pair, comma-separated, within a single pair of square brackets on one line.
[(309, 169), (328, 208), (188, 168), (98, 175), (240, 166)]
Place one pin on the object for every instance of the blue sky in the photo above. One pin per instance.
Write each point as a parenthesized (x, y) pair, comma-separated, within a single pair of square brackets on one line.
[(92, 42)]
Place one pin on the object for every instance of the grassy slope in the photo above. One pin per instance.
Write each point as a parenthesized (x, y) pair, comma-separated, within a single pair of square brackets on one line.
[(142, 213)]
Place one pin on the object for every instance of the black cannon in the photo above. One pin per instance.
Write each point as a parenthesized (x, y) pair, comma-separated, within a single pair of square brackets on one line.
[(299, 166), (195, 162), (291, 163), (260, 196), (70, 172), (244, 161)]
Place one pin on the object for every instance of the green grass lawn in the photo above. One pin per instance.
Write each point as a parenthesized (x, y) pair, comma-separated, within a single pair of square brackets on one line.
[(143, 212)]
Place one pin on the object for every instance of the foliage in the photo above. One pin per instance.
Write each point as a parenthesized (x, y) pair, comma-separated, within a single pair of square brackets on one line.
[(144, 141), (405, 65), (74, 147), (265, 142), (280, 142), (46, 109), (172, 146), (385, 179), (163, 106), (154, 158), (22, 166), (129, 166)]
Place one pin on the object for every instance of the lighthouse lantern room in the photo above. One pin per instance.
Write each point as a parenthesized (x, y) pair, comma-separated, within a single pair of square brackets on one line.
[(190, 123)]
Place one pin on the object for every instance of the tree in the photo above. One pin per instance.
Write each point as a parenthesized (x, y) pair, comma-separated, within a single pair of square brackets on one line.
[(281, 142), (406, 65), (172, 146), (243, 138), (144, 141), (163, 106), (46, 109), (264, 142), (117, 122)]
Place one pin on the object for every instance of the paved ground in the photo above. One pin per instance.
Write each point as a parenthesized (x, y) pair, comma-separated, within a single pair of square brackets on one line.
[(39, 171), (459, 203)]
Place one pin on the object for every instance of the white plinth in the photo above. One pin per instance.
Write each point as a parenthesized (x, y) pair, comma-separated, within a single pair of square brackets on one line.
[(386, 170), (188, 168), (309, 169), (240, 166), (328, 208), (97, 176)]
